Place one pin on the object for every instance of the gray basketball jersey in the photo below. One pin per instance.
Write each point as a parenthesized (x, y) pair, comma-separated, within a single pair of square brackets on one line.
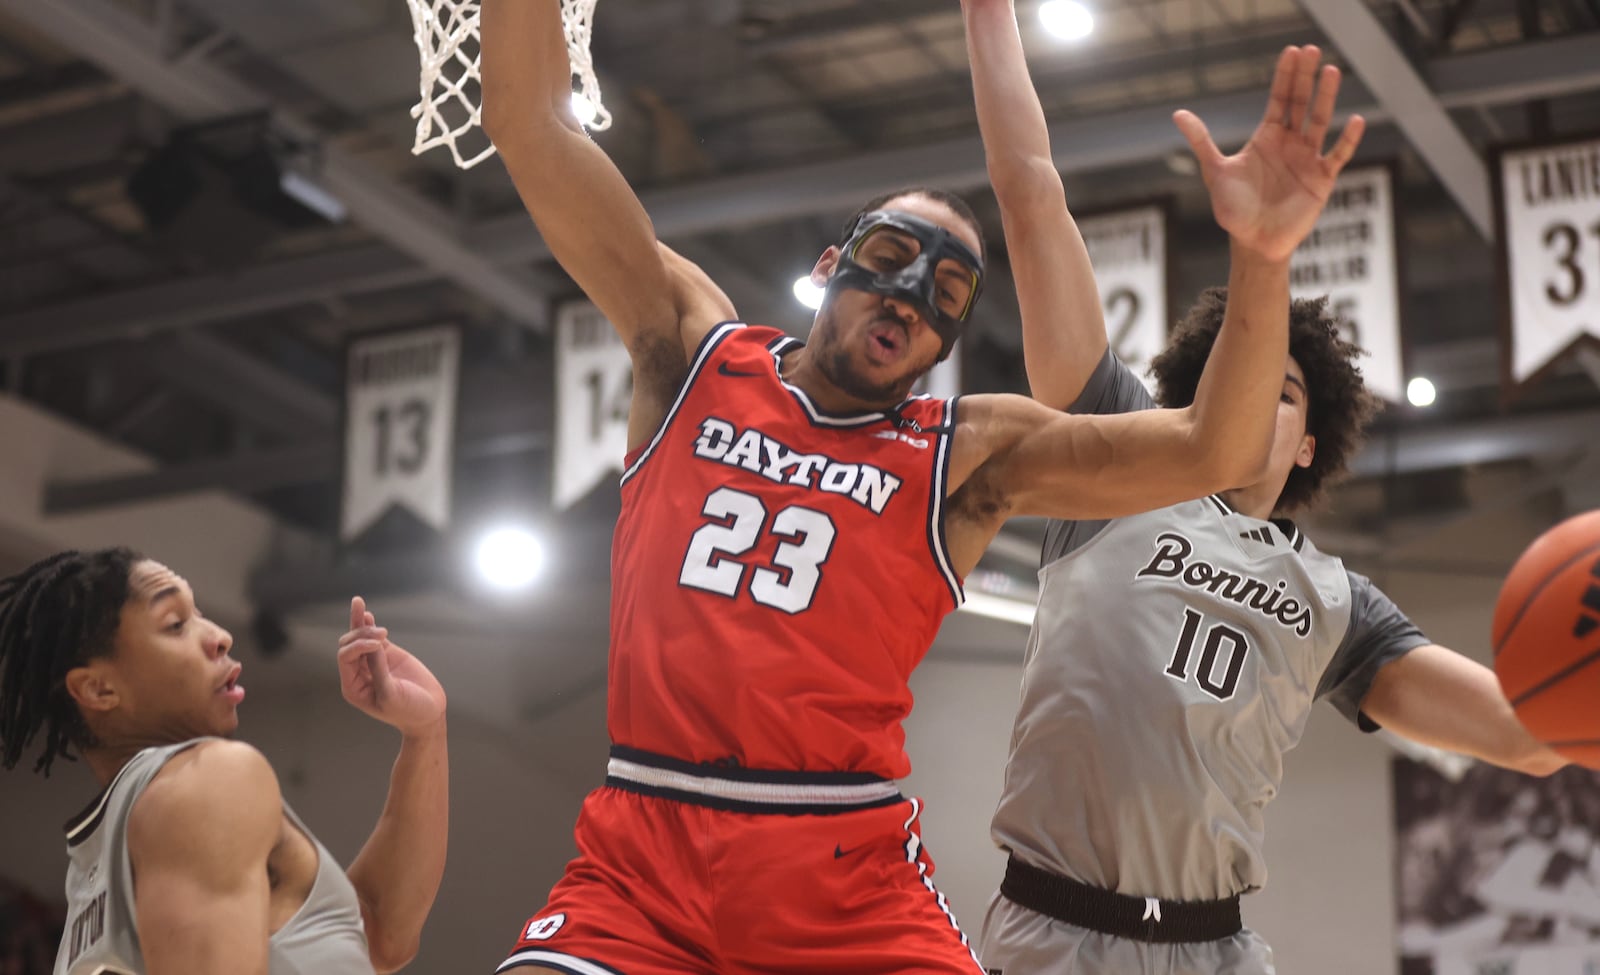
[(1173, 662), (325, 937)]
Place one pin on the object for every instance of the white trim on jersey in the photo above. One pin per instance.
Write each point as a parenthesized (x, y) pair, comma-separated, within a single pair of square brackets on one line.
[(768, 793), (816, 416), (560, 961), (937, 495), (708, 345), (914, 847)]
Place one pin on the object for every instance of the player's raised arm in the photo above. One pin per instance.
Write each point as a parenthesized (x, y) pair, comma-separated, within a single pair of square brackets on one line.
[(1063, 323), (1268, 197), (396, 875), (587, 213)]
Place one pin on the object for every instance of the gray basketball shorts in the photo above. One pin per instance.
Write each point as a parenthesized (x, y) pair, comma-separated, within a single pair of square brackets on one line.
[(1017, 941)]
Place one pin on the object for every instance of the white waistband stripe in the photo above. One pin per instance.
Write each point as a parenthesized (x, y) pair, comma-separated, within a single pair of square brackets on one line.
[(768, 793)]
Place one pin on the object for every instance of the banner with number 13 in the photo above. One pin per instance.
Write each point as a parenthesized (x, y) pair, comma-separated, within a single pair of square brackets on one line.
[(399, 426)]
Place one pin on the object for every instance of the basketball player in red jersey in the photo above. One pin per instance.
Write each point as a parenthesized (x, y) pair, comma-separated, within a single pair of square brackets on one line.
[(795, 525)]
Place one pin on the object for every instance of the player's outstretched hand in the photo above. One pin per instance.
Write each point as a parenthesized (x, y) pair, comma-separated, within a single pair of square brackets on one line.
[(385, 681), (1268, 195)]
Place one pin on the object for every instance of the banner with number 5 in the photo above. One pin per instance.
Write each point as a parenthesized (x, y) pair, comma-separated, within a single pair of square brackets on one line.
[(399, 426), (1547, 202), (1128, 249), (594, 386)]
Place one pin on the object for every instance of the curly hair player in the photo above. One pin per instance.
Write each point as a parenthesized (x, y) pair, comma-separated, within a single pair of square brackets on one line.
[(189, 860), (817, 520), (1131, 845)]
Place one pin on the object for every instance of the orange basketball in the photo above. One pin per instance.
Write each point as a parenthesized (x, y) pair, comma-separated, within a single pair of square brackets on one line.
[(1547, 638)]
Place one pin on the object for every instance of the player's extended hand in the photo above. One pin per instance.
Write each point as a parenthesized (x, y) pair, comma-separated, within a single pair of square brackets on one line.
[(1269, 194), (385, 681)]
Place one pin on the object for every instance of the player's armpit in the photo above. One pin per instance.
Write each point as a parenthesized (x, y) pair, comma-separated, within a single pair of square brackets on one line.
[(199, 838), (1437, 697), (1072, 467)]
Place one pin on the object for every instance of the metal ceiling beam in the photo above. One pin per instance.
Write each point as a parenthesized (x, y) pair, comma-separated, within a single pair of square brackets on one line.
[(1366, 45), (1486, 441), (494, 433), (1543, 69), (243, 384), (193, 89)]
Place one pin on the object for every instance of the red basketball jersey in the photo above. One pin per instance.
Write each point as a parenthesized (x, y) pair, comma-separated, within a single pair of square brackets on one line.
[(777, 571)]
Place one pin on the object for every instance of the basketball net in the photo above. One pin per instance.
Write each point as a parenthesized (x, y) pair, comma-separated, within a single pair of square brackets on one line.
[(449, 108)]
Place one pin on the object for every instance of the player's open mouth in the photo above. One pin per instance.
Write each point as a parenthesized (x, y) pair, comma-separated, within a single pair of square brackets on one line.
[(888, 340), (231, 689)]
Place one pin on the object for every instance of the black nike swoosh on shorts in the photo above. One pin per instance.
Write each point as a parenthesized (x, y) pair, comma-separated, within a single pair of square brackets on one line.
[(722, 367), (840, 852)]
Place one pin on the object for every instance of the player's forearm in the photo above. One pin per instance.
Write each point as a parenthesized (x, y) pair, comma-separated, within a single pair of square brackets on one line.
[(1437, 697), (397, 873), (527, 78), (1063, 325), (1016, 140), (1235, 405)]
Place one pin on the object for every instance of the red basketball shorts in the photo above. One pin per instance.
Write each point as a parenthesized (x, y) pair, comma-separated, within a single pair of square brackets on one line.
[(688, 869)]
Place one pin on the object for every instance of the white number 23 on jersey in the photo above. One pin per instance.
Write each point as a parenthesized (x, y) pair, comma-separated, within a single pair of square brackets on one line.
[(738, 520)]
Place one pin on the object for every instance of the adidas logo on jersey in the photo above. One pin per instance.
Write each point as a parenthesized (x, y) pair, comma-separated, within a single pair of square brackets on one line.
[(758, 453), (1263, 535)]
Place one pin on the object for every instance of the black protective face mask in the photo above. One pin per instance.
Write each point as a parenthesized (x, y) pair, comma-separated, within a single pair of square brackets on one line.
[(898, 255)]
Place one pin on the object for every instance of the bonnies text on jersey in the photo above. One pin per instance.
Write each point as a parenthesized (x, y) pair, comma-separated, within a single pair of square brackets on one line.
[(1173, 560), (758, 453)]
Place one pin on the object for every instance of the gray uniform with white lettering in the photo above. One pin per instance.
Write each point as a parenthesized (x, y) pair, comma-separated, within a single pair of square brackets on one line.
[(325, 937), (1174, 660)]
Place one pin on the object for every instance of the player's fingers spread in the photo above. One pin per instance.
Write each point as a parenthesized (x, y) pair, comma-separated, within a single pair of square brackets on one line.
[(1305, 76), (1322, 106), (1199, 139), (1282, 85), (1349, 140)]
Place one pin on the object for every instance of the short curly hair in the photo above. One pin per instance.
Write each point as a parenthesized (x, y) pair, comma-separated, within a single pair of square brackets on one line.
[(1338, 405)]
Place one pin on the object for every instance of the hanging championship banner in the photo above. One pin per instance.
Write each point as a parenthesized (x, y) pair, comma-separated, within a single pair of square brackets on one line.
[(399, 426), (594, 385), (1350, 257), (1128, 249), (1548, 210)]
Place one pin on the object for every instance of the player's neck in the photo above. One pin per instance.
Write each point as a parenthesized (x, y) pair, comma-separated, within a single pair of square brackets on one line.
[(799, 369), (1257, 500), (105, 762)]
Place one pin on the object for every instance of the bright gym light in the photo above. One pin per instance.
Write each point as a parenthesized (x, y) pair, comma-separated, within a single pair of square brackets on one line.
[(1066, 19), (508, 558), (807, 293), (1420, 392), (583, 108)]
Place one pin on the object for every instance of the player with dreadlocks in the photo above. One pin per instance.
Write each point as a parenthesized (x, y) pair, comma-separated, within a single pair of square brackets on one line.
[(189, 860)]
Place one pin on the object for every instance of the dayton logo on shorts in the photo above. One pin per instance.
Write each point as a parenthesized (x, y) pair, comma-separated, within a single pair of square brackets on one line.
[(544, 928)]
